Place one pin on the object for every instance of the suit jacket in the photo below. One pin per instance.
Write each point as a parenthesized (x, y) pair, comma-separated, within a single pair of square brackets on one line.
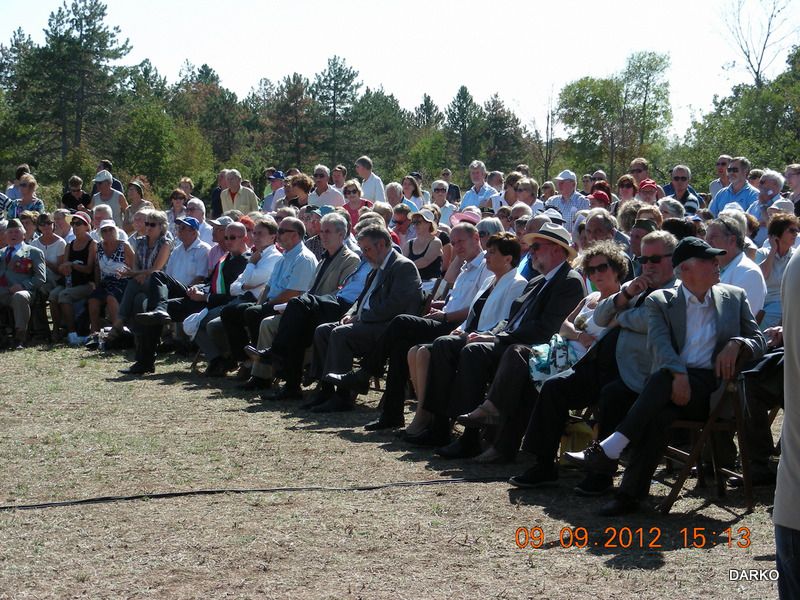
[(397, 292), (633, 358), (231, 269), (340, 268), (666, 338), (548, 309), (26, 268)]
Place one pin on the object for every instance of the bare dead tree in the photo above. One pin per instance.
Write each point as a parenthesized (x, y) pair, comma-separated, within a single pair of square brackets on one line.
[(760, 30)]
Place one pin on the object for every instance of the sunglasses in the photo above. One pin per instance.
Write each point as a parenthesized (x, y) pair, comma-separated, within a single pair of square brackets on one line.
[(150, 224), (733, 169), (679, 178), (351, 192), (535, 246), (282, 231), (75, 190), (319, 176), (794, 230), (655, 258), (77, 222), (722, 164), (483, 234), (521, 189), (597, 269), (752, 177), (403, 222), (24, 185), (626, 185), (597, 179), (441, 190), (230, 238)]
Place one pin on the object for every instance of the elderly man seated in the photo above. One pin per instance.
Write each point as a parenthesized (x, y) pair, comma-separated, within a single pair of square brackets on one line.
[(696, 334), (22, 272), (393, 288), (169, 299)]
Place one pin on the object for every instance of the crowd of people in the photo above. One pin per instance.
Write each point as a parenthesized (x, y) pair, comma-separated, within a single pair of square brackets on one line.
[(501, 308)]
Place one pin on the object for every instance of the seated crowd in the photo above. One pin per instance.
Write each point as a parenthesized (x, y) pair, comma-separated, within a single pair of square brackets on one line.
[(502, 309)]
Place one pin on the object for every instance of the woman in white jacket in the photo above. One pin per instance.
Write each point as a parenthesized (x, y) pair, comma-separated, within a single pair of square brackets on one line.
[(490, 305)]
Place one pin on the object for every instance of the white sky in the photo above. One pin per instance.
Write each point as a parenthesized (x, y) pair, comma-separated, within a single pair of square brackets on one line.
[(523, 50)]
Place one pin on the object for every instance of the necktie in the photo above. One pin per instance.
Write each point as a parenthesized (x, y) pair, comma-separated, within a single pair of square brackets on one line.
[(9, 252), (368, 286), (514, 323)]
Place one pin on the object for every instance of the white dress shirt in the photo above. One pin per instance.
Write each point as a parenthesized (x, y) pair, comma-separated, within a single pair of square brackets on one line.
[(744, 273), (257, 274), (469, 281), (188, 264), (701, 331)]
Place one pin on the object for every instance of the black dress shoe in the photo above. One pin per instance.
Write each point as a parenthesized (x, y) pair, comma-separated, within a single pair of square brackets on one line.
[(622, 504), (357, 380), (461, 448), (255, 383), (384, 422), (428, 438), (138, 369), (336, 403), (154, 317), (538, 475), (595, 484), (264, 355), (593, 459), (283, 394), (757, 479)]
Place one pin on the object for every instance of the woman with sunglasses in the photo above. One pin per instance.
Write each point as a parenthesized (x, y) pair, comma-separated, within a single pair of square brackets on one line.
[(28, 201), (353, 202), (114, 258), (53, 248), (627, 188), (177, 209), (152, 253), (439, 198), (425, 250), (77, 268), (29, 218), (782, 231)]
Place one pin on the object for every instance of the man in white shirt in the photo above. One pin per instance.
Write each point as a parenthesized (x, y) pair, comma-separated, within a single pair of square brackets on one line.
[(323, 194), (371, 184), (735, 268)]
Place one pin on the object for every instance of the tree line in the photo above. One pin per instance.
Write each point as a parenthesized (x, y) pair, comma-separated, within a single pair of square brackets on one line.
[(67, 102)]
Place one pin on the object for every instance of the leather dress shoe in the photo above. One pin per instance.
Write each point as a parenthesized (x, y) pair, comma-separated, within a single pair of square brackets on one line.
[(480, 417), (219, 367), (255, 383), (283, 394), (336, 403), (319, 397), (621, 504), (538, 475), (757, 479), (384, 422), (595, 484), (428, 438), (264, 355), (138, 369), (459, 449), (593, 458), (357, 380), (153, 317), (492, 456)]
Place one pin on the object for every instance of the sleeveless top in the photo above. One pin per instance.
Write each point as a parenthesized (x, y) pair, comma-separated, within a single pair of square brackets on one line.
[(79, 278), (433, 270), (110, 266)]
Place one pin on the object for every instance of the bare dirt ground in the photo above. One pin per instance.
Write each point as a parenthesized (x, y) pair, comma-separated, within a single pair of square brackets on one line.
[(71, 428)]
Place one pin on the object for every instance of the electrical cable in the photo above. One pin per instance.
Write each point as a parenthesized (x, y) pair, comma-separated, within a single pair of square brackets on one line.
[(213, 492)]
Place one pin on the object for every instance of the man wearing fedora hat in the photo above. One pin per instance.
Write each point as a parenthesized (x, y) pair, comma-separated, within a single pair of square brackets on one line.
[(696, 333), (22, 271), (462, 368)]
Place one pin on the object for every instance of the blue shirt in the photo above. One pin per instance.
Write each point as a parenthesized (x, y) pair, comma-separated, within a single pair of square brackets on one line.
[(473, 198), (670, 191), (355, 283), (744, 198), (295, 271)]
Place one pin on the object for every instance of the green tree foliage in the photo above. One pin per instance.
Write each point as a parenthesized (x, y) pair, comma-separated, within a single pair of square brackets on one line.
[(427, 115), (503, 139), (465, 126), (335, 90), (382, 132), (293, 114)]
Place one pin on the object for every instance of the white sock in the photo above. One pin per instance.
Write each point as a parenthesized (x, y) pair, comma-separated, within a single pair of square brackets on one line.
[(614, 444)]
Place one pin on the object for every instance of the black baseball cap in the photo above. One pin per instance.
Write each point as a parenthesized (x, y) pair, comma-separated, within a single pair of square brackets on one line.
[(692, 247)]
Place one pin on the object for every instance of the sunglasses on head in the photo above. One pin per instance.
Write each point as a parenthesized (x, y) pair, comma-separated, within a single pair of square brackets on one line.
[(602, 268), (655, 258)]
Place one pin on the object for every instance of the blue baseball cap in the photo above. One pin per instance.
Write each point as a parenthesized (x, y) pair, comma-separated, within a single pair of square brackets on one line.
[(277, 175), (189, 222)]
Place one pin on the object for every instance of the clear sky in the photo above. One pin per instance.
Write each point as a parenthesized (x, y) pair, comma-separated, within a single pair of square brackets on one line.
[(523, 50)]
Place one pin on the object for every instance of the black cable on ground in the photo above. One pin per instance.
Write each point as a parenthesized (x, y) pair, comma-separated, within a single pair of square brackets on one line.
[(214, 492)]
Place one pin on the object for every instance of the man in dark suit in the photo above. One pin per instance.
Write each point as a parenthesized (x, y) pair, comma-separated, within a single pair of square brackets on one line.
[(696, 334), (462, 366), (610, 375), (393, 288), (22, 271)]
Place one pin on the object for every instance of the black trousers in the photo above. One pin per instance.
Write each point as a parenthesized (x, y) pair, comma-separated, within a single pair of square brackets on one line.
[(242, 323), (296, 330), (763, 390), (647, 424), (404, 332), (162, 287), (147, 337), (459, 374)]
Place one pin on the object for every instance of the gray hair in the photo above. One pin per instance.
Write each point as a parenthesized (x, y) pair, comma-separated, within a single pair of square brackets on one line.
[(490, 225), (235, 173), (609, 222), (731, 227), (322, 168), (738, 216), (672, 207), (337, 220), (478, 164), (665, 237), (682, 168), (376, 233), (394, 186), (775, 176), (744, 162), (104, 209), (439, 182), (199, 204), (296, 224)]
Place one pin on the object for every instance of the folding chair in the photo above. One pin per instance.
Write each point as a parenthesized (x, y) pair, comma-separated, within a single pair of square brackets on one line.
[(438, 292), (725, 414)]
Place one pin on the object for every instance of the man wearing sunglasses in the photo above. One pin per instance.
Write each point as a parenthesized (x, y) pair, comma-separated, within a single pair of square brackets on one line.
[(323, 194), (739, 190), (680, 189), (610, 375)]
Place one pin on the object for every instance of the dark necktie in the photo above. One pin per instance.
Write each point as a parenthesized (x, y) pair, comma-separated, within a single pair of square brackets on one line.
[(527, 303)]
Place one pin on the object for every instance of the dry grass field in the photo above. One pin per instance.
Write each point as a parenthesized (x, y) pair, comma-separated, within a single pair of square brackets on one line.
[(80, 431)]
